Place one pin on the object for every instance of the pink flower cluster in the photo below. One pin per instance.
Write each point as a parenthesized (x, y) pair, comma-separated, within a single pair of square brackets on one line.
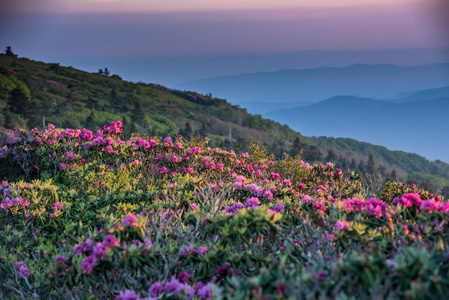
[(18, 201), (22, 270), (190, 250), (130, 220)]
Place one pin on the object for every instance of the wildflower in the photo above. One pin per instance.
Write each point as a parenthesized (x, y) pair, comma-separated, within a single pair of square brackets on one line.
[(279, 207), (268, 195), (57, 206), (172, 285), (83, 247), (22, 269), (126, 295), (190, 250), (162, 170), (184, 277), (252, 202), (60, 259), (342, 226), (156, 289), (168, 139), (202, 251), (89, 264), (99, 251), (193, 206), (206, 292), (130, 220)]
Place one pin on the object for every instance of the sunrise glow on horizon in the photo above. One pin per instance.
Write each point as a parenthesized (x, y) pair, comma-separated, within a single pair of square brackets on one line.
[(141, 6)]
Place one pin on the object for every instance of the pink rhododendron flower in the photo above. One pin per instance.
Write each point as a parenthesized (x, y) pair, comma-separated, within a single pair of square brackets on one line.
[(22, 270), (130, 220), (127, 295), (279, 207), (83, 247), (341, 226), (89, 264), (60, 259)]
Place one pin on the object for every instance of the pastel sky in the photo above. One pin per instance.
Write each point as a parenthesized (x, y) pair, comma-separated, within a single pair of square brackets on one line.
[(156, 27)]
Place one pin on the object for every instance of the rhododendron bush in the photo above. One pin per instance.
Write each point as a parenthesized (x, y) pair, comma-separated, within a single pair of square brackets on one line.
[(87, 215)]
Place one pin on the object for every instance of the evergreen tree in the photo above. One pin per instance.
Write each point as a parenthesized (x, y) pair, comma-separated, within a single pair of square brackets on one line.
[(394, 176), (353, 165), (314, 154), (18, 102), (297, 147), (187, 131), (90, 122), (428, 186), (331, 155), (361, 167), (138, 113), (8, 52), (205, 129), (445, 192), (370, 166)]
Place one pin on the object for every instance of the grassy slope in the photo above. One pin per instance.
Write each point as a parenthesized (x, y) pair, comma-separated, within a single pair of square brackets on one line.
[(79, 94)]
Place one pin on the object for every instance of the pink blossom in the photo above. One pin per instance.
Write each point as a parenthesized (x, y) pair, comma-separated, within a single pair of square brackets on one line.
[(57, 206), (130, 220), (162, 170), (83, 247), (252, 202), (156, 289), (22, 269), (127, 295), (341, 226), (60, 259), (279, 207), (89, 264)]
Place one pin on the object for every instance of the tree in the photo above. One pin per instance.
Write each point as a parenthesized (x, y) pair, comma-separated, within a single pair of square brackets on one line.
[(314, 154), (353, 165), (205, 128), (90, 121), (428, 186), (331, 156), (100, 71), (138, 113), (445, 192), (18, 102), (296, 147), (361, 167), (370, 166), (187, 131), (106, 72), (8, 52)]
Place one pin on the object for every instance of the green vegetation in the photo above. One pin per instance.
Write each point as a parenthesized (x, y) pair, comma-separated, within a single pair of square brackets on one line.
[(34, 94)]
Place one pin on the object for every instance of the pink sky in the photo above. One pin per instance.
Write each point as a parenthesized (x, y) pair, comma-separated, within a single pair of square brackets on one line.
[(101, 6), (139, 27)]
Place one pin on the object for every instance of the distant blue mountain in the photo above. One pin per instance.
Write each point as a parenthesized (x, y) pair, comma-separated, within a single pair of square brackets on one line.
[(312, 85), (411, 125), (425, 94)]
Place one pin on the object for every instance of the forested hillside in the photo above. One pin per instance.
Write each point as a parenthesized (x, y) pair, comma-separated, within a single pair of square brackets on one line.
[(34, 94)]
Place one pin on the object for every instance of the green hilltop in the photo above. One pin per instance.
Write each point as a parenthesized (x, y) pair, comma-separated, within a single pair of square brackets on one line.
[(34, 94)]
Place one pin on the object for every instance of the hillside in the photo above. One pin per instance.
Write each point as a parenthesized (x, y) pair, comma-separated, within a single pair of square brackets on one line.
[(66, 97)]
